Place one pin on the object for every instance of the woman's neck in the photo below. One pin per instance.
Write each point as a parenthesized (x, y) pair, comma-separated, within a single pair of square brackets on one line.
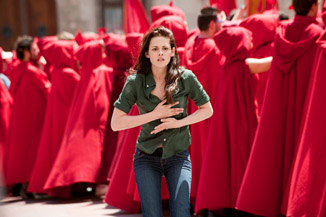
[(159, 73)]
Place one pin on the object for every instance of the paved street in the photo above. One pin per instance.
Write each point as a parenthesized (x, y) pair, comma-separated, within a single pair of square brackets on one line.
[(91, 207)]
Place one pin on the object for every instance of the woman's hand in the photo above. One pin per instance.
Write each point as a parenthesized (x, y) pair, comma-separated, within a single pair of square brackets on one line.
[(167, 123), (164, 111)]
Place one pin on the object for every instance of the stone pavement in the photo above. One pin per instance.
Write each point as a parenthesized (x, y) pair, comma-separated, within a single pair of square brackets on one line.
[(87, 207)]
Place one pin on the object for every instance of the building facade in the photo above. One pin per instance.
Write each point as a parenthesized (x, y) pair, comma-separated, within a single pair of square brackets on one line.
[(48, 17)]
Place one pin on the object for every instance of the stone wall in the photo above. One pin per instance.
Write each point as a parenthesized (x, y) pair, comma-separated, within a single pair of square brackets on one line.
[(73, 15)]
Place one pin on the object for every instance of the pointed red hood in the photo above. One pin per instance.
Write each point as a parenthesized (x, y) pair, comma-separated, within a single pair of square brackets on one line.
[(90, 55), (164, 10), (262, 27), (60, 53), (177, 25), (234, 43), (288, 50), (134, 40), (198, 61)]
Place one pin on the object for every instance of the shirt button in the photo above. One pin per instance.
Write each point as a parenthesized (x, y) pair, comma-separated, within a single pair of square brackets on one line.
[(147, 85), (164, 139)]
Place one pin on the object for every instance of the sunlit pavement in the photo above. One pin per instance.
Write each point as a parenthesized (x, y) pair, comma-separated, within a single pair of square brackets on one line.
[(87, 207)]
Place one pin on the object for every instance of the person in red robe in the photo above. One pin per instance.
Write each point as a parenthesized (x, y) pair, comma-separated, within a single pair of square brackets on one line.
[(267, 172), (263, 28), (202, 56), (6, 102), (121, 59), (29, 88), (60, 54), (306, 195), (80, 155), (232, 129), (117, 194)]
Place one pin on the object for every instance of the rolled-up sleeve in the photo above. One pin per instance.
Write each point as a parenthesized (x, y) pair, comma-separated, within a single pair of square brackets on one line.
[(196, 90), (127, 97)]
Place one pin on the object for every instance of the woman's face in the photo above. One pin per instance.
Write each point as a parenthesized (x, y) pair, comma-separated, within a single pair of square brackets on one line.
[(160, 51)]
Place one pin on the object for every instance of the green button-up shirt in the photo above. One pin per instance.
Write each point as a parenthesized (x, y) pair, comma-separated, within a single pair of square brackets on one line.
[(138, 88)]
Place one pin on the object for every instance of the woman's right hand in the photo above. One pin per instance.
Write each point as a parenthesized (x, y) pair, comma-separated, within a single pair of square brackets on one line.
[(164, 111)]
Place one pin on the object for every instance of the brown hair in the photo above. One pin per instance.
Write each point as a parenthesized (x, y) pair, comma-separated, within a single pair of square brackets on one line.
[(143, 64)]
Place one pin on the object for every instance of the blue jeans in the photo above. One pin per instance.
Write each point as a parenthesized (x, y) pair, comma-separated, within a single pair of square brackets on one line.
[(148, 173)]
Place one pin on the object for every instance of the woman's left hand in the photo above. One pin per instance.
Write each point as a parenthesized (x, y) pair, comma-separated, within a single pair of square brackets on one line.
[(167, 123)]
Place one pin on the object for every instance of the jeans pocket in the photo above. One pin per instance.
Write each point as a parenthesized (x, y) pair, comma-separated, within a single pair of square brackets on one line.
[(183, 154), (138, 154)]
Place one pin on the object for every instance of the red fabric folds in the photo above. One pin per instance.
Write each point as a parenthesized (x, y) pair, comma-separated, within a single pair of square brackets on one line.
[(5, 114), (60, 54), (134, 17), (202, 57), (232, 128), (306, 190), (268, 167), (120, 56), (117, 194), (29, 88), (263, 28), (80, 156)]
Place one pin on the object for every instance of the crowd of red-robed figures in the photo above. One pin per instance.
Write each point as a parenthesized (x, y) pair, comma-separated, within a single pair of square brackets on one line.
[(263, 151)]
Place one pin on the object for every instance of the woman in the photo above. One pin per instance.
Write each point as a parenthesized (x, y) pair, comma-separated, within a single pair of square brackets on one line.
[(161, 90)]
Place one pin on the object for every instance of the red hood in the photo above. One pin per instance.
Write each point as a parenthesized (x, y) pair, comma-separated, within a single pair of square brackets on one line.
[(133, 41), (288, 45), (60, 53), (234, 43), (164, 10), (205, 47), (177, 25), (90, 55), (263, 28), (120, 54)]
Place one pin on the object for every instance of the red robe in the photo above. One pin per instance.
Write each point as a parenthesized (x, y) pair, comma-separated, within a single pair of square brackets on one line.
[(5, 114), (117, 194), (202, 57), (232, 128), (268, 167), (121, 58), (29, 88), (306, 190), (60, 54), (80, 155), (263, 28)]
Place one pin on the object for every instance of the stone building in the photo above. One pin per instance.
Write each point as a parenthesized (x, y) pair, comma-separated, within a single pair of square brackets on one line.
[(47, 17)]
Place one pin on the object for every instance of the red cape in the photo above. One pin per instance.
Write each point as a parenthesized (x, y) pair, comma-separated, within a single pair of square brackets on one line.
[(5, 114), (232, 128), (80, 156), (117, 194), (306, 190), (121, 58), (263, 28), (64, 80), (29, 88), (277, 133), (202, 57)]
